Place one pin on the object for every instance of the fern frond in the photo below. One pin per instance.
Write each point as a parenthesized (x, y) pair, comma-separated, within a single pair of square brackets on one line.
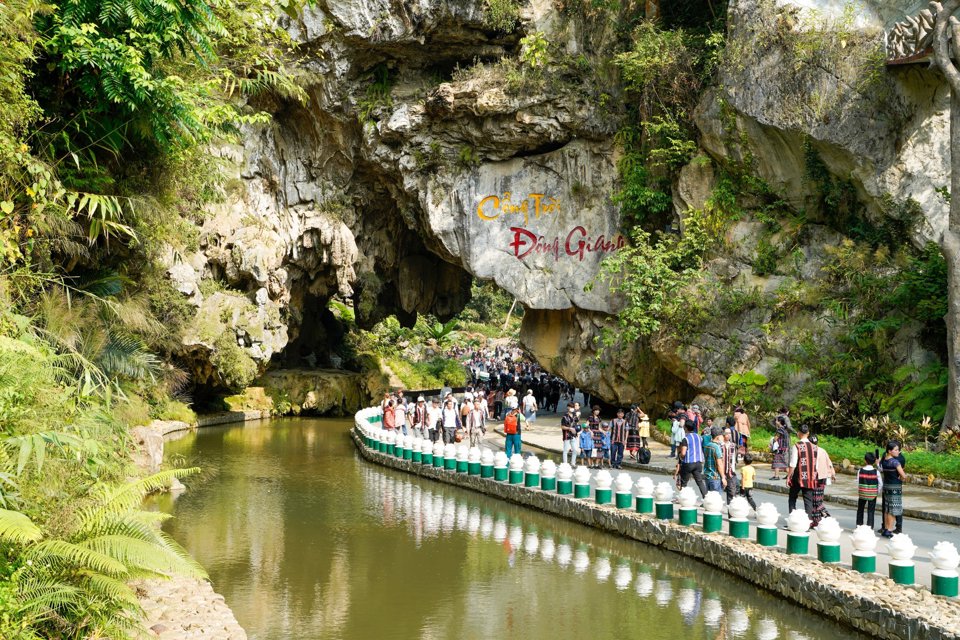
[(17, 528), (117, 501), (63, 553)]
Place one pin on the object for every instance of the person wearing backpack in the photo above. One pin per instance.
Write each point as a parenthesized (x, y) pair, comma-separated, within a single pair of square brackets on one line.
[(512, 428)]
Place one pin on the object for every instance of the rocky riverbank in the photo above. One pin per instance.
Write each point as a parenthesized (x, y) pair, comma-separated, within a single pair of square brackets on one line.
[(178, 608)]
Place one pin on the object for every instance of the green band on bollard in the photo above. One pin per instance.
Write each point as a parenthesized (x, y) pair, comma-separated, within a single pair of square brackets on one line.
[(548, 484), (624, 500), (945, 583), (798, 544), (712, 522), (390, 450), (604, 496), (438, 461), (664, 510), (473, 468), (829, 553), (902, 573), (865, 563), (739, 529), (499, 474), (565, 487), (462, 466), (450, 464), (581, 491), (408, 454), (427, 459), (767, 536), (486, 471), (516, 477), (644, 504), (531, 480), (417, 456), (688, 516)]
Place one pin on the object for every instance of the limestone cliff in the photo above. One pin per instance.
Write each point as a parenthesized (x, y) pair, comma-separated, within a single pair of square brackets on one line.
[(433, 150)]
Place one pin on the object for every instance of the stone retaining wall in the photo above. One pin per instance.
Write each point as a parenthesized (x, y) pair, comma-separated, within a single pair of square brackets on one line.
[(870, 603)]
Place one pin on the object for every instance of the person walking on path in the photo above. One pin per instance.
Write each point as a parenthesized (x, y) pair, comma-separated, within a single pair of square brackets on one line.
[(450, 421), (731, 452), (529, 406), (476, 423), (586, 446), (802, 473), (568, 432), (643, 427), (780, 447), (713, 471), (676, 433), (690, 459), (633, 431), (893, 477), (418, 417), (512, 428), (825, 475), (510, 401), (389, 416), (742, 425), (868, 489), (434, 419), (618, 439), (748, 474)]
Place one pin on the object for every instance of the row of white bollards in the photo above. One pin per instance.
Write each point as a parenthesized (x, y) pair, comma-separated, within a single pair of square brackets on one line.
[(658, 500)]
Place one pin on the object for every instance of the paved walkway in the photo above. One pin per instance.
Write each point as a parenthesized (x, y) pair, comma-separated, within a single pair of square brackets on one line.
[(926, 527)]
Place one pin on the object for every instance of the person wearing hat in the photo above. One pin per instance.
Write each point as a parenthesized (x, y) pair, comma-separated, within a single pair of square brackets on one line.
[(510, 401), (643, 426), (418, 417)]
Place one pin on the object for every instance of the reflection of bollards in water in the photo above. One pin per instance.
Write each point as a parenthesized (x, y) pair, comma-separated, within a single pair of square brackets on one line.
[(828, 541), (798, 533), (603, 493), (901, 567), (944, 578)]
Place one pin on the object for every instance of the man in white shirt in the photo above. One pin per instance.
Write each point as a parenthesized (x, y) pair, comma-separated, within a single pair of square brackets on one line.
[(434, 414), (476, 426), (450, 420)]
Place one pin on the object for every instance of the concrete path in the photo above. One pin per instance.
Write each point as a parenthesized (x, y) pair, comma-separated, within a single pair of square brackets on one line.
[(936, 512)]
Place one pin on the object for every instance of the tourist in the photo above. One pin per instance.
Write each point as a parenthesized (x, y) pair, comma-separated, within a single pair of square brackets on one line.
[(476, 423), (605, 444), (780, 448), (693, 413), (389, 416), (597, 433), (418, 417), (713, 471), (802, 473), (512, 429), (903, 465), (825, 475), (498, 404), (734, 436), (618, 439), (748, 475), (893, 477), (676, 433), (510, 401), (450, 422), (731, 452), (690, 458), (434, 419), (384, 402), (868, 488), (633, 431), (529, 406), (742, 425), (586, 446), (568, 432), (783, 417), (643, 427)]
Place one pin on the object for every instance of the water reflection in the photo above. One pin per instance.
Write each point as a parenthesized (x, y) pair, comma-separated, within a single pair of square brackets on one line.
[(305, 541)]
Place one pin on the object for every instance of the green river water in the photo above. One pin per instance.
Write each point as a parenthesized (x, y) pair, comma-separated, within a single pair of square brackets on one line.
[(306, 540)]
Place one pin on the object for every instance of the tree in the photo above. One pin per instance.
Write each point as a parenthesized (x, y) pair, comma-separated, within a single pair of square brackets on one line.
[(946, 47)]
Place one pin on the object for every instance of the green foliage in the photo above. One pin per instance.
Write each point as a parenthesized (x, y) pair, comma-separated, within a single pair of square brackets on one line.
[(746, 387), (765, 261), (488, 303), (534, 51), (377, 96), (235, 368), (502, 15), (442, 333), (650, 275), (431, 374)]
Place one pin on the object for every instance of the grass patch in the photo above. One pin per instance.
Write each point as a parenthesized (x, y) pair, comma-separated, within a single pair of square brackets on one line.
[(432, 374)]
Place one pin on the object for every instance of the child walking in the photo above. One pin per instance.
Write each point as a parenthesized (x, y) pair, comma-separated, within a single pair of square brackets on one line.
[(869, 483), (747, 475), (605, 445)]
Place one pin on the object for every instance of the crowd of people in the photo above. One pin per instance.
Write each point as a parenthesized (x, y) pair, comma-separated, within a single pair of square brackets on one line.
[(713, 452)]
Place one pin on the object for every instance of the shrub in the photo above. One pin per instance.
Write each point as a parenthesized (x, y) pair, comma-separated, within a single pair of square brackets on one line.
[(235, 368)]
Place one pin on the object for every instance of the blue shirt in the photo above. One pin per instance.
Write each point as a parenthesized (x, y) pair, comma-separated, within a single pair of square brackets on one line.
[(586, 440), (694, 449)]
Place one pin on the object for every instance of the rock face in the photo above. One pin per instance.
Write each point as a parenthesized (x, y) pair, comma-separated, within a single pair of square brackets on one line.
[(430, 152)]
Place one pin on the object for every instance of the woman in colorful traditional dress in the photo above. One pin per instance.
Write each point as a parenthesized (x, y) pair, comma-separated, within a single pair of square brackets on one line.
[(893, 477), (825, 475), (780, 447)]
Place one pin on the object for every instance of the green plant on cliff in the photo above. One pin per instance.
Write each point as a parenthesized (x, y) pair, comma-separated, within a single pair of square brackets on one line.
[(235, 368), (502, 15)]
